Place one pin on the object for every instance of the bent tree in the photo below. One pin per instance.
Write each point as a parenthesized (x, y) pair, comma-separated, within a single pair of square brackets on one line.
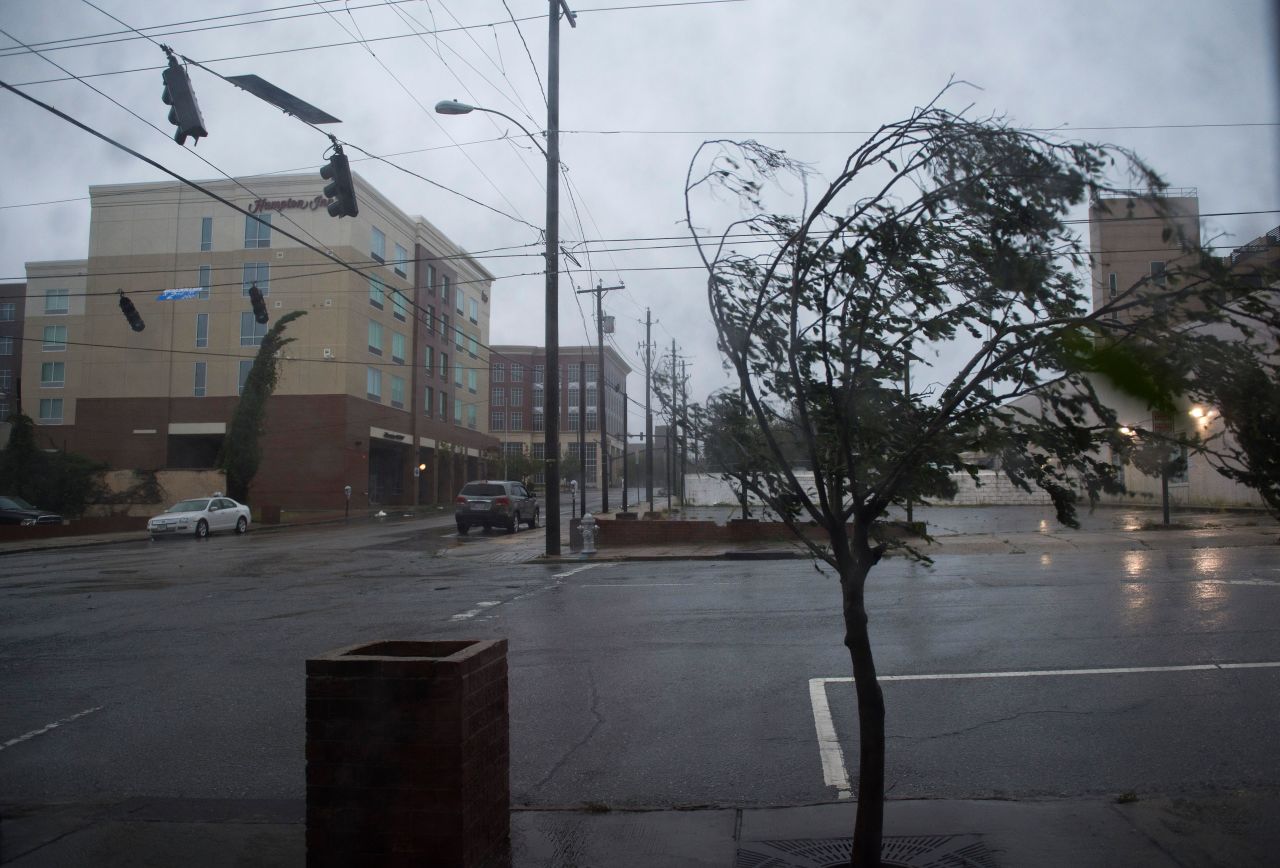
[(241, 452), (942, 246)]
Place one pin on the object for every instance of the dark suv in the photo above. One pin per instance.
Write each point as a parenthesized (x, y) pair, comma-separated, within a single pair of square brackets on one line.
[(500, 503)]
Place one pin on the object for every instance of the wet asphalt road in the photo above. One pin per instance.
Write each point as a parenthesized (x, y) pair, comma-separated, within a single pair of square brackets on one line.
[(643, 683)]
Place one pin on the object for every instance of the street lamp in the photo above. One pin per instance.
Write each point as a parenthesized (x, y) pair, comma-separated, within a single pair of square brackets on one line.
[(551, 430)]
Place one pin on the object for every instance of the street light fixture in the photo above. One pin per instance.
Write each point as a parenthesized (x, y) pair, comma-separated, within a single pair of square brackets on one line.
[(551, 429)]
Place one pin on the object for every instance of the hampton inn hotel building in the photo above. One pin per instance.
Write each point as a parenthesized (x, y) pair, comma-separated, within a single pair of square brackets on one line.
[(387, 370)]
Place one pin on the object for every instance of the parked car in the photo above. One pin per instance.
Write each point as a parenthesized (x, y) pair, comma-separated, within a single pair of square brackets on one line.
[(200, 517), (495, 503), (15, 510)]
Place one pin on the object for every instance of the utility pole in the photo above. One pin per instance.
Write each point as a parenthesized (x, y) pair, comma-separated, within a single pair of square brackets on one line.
[(552, 415), (626, 477), (684, 429), (906, 388), (648, 414), (671, 430), (582, 434), (602, 410)]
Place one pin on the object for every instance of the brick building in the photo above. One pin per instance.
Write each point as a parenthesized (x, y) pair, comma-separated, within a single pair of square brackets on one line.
[(383, 373), (13, 302)]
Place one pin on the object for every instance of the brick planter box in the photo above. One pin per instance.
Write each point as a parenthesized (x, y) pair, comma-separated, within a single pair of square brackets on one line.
[(408, 756)]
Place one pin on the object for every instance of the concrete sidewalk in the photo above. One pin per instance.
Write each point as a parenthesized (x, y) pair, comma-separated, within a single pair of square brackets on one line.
[(1233, 830)]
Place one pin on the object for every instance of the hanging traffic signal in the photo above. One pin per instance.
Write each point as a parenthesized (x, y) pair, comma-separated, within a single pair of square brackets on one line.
[(341, 189), (131, 313), (185, 111), (259, 306)]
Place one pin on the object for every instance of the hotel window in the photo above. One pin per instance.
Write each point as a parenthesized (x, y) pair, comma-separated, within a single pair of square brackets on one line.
[(444, 327), (6, 380), (498, 372), (257, 231), (50, 411), (457, 376), (5, 411), (459, 340), (538, 418), (516, 421), (444, 405), (399, 306), (373, 384), (430, 319), (206, 233), (498, 397), (57, 302), (378, 245), (204, 279), (1157, 273), (375, 337), (471, 415), (251, 331), (517, 372), (497, 420), (539, 454), (246, 365), (8, 310), (53, 375), (538, 371), (1111, 284), (428, 358), (55, 340), (198, 386), (202, 330), (401, 264), (475, 311), (471, 381), (444, 366), (428, 401), (376, 293), (573, 422), (517, 396), (6, 344), (473, 346), (591, 395), (259, 273), (397, 348), (591, 420), (444, 288), (457, 412), (593, 372), (573, 372), (460, 303), (397, 392), (431, 279)]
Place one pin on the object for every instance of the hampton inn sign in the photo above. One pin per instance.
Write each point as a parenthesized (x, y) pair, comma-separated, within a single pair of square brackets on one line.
[(261, 205)]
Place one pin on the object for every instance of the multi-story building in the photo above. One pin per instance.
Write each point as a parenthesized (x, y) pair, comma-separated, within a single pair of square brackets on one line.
[(382, 386), (518, 398), (1132, 240), (13, 302)]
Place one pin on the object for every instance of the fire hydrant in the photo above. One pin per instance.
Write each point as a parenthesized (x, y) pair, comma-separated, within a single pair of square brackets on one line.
[(588, 530)]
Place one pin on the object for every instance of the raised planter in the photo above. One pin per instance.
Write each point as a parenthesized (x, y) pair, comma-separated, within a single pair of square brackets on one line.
[(408, 755)]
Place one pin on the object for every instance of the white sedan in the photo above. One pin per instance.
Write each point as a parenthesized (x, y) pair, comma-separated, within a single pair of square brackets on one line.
[(200, 517)]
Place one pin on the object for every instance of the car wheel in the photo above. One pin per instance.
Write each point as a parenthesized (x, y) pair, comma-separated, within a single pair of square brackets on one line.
[(242, 525), (516, 521), (202, 529), (533, 522), (463, 528)]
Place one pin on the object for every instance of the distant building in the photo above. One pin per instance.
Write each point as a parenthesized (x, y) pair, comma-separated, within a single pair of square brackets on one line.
[(384, 373), (517, 403), (13, 302), (1127, 240)]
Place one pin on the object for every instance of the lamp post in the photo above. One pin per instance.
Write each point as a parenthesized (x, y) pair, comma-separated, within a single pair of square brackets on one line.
[(551, 447)]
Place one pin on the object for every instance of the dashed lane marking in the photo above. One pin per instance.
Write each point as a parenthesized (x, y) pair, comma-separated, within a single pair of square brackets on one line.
[(471, 613), (27, 736)]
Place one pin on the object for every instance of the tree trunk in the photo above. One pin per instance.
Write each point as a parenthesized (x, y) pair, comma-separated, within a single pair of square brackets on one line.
[(869, 825)]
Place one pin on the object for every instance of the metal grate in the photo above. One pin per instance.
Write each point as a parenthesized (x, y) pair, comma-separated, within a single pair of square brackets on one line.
[(919, 851)]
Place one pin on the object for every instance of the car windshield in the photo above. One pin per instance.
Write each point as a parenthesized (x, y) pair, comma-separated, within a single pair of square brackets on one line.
[(14, 503), (189, 505), (483, 489)]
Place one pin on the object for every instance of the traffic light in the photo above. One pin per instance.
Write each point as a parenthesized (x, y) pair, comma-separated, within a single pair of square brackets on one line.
[(185, 111), (341, 189), (259, 306), (131, 313)]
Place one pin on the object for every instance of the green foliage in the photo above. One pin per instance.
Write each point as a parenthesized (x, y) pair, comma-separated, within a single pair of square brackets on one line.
[(241, 452), (570, 467), (58, 481)]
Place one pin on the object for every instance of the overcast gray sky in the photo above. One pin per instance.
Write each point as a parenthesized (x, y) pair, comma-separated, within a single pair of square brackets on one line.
[(1190, 85)]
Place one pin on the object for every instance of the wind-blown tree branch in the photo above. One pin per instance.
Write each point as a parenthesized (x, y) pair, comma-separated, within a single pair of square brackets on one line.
[(942, 243), (241, 451)]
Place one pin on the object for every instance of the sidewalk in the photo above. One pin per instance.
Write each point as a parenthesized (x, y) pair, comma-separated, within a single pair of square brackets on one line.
[(1233, 830)]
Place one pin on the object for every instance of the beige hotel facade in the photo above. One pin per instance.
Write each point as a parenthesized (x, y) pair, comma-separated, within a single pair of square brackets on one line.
[(387, 369)]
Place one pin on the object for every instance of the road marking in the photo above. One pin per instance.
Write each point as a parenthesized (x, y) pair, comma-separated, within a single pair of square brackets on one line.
[(656, 584), (836, 775), (1265, 583), (42, 730), (569, 573), (471, 613)]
